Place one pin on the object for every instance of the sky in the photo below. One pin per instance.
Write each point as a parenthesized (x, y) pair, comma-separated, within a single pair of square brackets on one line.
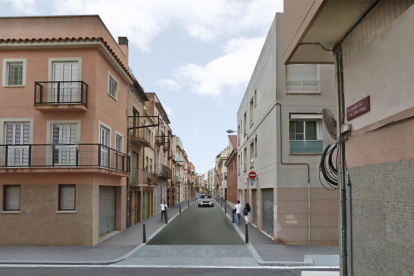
[(196, 55)]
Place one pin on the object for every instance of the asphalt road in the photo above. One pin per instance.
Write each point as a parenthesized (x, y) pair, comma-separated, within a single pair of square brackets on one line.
[(199, 226)]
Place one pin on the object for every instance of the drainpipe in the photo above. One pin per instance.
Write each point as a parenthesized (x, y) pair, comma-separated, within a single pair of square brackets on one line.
[(295, 164)]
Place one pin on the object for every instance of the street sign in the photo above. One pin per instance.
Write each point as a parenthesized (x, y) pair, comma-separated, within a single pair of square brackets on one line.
[(252, 175)]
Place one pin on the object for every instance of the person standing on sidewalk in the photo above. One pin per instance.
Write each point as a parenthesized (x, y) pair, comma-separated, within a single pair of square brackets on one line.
[(246, 212), (163, 210), (238, 208)]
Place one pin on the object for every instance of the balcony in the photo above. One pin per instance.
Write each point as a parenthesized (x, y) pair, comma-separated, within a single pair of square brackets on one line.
[(48, 157), (306, 147), (141, 176), (61, 96), (177, 179), (141, 137), (163, 171)]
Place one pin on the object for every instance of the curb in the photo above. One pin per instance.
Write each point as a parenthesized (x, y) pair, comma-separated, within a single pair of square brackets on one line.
[(99, 262), (308, 262)]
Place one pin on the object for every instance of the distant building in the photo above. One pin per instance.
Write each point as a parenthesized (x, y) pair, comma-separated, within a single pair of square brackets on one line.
[(231, 169)]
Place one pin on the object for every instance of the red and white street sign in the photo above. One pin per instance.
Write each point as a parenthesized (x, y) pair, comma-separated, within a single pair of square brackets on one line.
[(252, 175)]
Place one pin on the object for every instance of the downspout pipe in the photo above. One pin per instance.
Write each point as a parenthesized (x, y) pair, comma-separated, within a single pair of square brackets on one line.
[(295, 164)]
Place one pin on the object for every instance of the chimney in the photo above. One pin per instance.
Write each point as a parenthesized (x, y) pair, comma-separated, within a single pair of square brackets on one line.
[(123, 44)]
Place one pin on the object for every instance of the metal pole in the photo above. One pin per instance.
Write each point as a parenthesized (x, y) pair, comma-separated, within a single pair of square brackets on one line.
[(221, 204), (225, 209), (166, 217), (247, 233), (144, 236), (233, 217), (180, 208), (188, 203)]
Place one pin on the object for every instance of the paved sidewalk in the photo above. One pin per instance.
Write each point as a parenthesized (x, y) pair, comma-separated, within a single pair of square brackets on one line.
[(110, 250), (272, 252)]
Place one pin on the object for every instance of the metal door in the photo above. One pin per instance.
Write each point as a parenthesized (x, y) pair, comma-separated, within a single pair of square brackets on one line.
[(107, 209), (267, 207), (157, 200), (255, 207), (145, 205)]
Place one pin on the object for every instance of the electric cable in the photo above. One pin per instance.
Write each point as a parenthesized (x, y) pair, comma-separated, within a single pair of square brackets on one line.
[(328, 169)]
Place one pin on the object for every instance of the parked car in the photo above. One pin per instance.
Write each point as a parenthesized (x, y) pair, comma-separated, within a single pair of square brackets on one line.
[(206, 200)]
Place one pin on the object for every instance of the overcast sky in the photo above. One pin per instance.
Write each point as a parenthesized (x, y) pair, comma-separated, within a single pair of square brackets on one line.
[(197, 55)]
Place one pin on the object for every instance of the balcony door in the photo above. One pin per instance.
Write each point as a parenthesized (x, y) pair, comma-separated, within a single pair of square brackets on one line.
[(64, 140), (17, 141), (66, 89), (104, 140)]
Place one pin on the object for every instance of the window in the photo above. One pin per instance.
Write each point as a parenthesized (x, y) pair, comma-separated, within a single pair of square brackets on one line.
[(64, 138), (225, 176), (105, 144), (302, 78), (252, 112), (112, 86), (11, 198), (118, 142), (17, 134), (252, 154), (305, 135), (14, 72), (245, 159), (67, 197), (239, 164), (244, 123), (255, 98), (238, 134), (151, 165), (255, 146)]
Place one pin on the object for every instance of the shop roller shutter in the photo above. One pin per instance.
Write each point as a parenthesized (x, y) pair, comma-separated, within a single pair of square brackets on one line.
[(107, 209), (267, 207)]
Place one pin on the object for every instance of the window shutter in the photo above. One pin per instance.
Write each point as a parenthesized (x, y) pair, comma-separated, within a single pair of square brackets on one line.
[(72, 138), (9, 134), (26, 133), (302, 78), (56, 131)]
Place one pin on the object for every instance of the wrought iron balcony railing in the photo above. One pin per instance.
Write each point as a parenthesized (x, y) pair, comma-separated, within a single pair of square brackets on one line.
[(63, 156), (163, 171), (61, 93)]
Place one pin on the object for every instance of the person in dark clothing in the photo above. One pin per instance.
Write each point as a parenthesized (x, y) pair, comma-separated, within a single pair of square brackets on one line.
[(246, 212)]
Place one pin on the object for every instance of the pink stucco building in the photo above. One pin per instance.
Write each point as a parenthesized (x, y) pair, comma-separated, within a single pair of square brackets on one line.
[(63, 100)]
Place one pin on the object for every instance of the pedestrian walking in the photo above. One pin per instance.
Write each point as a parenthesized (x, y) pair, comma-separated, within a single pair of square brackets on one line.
[(163, 210), (246, 212), (238, 208), (221, 196)]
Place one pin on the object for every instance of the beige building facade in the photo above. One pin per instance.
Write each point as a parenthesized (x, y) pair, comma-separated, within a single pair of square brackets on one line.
[(281, 137), (369, 43)]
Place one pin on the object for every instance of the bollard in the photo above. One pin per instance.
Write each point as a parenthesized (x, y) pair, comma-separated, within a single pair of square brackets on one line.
[(247, 233), (180, 208), (188, 203), (221, 204), (144, 236), (166, 218), (233, 216), (225, 209)]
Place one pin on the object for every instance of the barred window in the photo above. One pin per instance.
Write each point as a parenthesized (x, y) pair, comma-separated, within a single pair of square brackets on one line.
[(14, 73), (11, 198), (67, 197)]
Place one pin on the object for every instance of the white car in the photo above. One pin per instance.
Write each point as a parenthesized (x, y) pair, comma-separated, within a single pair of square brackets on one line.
[(206, 200)]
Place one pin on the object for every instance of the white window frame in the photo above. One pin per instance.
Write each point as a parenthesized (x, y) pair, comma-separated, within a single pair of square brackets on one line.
[(109, 136), (318, 128), (14, 60), (122, 140), (111, 76), (49, 131), (64, 59), (3, 122)]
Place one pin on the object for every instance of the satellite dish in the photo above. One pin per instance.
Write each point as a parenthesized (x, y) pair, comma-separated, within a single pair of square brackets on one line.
[(330, 123)]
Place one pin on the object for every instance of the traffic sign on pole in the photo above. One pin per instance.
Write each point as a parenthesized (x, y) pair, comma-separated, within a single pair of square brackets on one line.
[(252, 175)]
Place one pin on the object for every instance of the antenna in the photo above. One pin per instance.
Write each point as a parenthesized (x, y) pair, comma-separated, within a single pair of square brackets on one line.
[(330, 123)]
